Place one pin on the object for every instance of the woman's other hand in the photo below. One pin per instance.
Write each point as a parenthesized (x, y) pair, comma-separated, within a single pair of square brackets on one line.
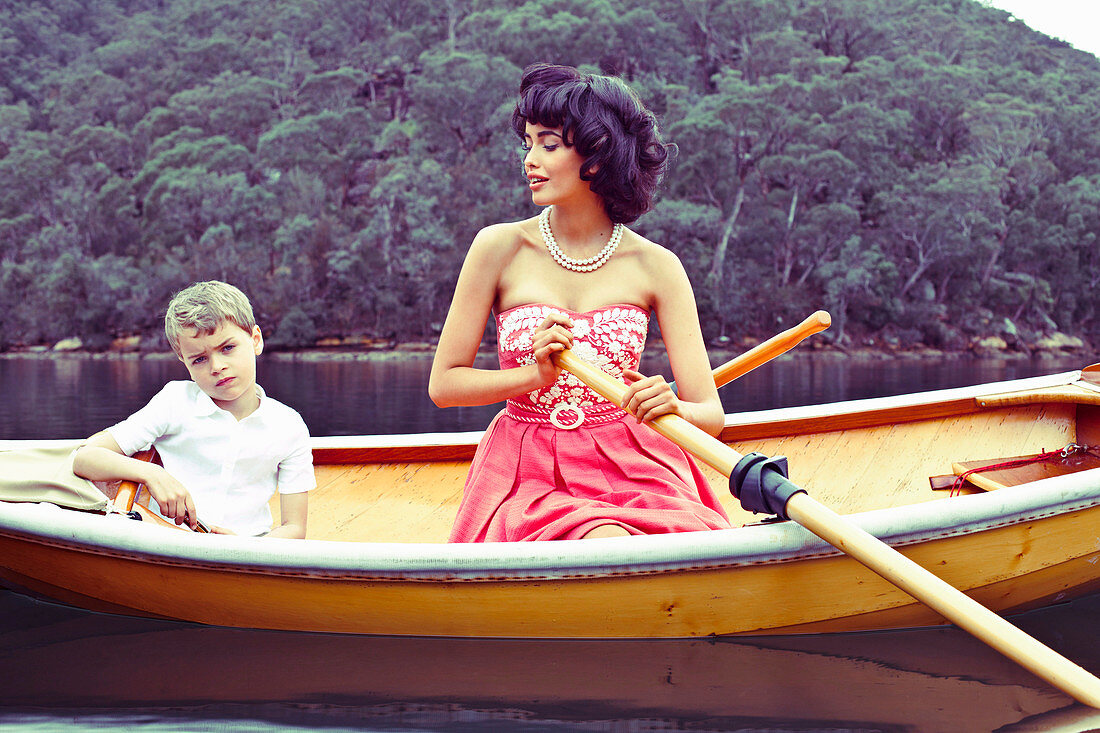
[(648, 398)]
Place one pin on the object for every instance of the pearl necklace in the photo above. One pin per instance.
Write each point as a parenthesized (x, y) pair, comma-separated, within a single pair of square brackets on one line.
[(587, 265)]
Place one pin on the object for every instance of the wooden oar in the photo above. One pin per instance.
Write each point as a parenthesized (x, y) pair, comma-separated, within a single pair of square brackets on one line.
[(774, 493), (779, 344), (1091, 374), (131, 500)]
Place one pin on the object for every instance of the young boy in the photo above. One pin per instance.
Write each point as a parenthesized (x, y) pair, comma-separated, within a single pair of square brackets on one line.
[(225, 445)]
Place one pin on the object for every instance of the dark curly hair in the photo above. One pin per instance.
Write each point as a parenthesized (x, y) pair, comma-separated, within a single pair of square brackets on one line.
[(624, 154)]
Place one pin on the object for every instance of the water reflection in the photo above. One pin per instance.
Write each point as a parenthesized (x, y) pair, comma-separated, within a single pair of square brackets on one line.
[(71, 397), (926, 680)]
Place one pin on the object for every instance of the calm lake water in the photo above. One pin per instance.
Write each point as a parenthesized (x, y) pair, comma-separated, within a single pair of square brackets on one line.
[(65, 669), (73, 396)]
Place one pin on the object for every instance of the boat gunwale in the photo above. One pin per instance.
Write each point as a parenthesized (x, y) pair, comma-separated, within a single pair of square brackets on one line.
[(749, 545)]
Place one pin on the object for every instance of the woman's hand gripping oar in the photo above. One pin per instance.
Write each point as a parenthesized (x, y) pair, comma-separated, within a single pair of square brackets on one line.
[(781, 343), (761, 486)]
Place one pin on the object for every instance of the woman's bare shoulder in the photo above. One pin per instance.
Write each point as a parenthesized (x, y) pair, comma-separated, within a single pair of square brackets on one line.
[(504, 238), (654, 257)]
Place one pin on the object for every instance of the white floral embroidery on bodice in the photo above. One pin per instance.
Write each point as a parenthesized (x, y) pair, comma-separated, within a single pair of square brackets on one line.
[(611, 337)]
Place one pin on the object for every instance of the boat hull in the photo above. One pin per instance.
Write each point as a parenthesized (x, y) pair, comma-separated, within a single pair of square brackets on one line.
[(1029, 562)]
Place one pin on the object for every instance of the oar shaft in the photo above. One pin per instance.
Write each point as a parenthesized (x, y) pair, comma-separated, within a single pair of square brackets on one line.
[(129, 490), (946, 600), (773, 347)]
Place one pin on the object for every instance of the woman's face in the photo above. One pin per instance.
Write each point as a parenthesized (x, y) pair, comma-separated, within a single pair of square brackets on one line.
[(553, 169)]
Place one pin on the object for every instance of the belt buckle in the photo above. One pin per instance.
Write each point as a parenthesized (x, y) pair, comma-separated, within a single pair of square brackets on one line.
[(568, 411)]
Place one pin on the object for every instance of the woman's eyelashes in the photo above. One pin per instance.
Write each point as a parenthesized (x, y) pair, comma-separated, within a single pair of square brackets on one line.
[(525, 147)]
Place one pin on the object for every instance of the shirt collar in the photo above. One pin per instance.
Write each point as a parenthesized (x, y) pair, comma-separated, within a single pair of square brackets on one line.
[(204, 406)]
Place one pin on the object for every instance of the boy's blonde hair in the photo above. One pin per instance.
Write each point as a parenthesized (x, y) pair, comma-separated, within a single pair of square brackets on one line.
[(203, 307)]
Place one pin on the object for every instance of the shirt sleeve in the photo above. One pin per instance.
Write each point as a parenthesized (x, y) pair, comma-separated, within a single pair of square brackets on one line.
[(296, 469), (138, 431)]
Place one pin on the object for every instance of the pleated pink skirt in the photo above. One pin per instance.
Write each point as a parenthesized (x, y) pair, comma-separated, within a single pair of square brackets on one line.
[(535, 481)]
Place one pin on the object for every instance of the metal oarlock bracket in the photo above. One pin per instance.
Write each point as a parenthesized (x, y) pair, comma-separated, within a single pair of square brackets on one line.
[(761, 485)]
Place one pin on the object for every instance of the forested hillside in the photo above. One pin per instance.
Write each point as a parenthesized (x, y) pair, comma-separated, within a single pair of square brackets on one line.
[(926, 170)]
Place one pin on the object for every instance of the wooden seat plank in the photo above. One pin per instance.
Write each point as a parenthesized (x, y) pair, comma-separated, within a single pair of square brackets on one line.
[(1014, 476)]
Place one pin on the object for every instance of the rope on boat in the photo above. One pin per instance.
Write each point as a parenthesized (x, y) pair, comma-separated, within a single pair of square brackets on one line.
[(1071, 449)]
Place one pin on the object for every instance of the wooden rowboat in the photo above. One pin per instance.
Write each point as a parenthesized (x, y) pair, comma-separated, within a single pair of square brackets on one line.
[(377, 561)]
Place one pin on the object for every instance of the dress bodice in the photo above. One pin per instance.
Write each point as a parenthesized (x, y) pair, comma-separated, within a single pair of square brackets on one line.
[(561, 461), (611, 337)]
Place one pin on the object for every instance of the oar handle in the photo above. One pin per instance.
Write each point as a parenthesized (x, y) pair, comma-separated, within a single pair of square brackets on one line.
[(948, 601), (710, 451), (1091, 374), (124, 499), (781, 343)]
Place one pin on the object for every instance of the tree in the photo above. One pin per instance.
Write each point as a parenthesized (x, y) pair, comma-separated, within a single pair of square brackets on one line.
[(907, 163), (859, 279), (29, 174), (564, 31), (730, 124), (330, 145), (935, 221), (238, 106), (88, 97)]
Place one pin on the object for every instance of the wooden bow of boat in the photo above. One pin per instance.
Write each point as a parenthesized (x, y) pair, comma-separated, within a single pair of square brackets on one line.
[(377, 561)]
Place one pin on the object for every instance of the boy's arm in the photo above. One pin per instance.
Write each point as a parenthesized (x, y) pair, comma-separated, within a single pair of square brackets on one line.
[(101, 459), (293, 510), (295, 476)]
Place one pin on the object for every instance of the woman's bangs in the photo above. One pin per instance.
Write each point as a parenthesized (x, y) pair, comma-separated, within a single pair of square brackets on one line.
[(543, 106)]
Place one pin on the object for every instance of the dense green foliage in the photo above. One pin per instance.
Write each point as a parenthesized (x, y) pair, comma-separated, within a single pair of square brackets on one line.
[(927, 170)]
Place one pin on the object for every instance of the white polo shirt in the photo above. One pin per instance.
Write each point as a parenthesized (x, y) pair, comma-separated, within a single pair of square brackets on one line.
[(232, 468)]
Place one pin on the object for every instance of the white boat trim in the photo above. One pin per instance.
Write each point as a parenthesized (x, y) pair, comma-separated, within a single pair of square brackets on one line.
[(749, 545)]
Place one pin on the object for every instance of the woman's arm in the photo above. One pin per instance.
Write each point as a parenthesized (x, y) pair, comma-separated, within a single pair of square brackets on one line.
[(696, 399), (454, 380)]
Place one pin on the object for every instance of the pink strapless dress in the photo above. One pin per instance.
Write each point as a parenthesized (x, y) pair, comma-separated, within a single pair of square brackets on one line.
[(561, 460)]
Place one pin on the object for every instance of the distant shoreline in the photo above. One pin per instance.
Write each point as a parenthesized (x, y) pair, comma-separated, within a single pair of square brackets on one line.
[(413, 350)]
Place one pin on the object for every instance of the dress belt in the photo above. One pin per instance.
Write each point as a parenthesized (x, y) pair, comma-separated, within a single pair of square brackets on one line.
[(566, 416)]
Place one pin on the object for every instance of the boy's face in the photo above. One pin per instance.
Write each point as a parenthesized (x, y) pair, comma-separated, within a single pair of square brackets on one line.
[(223, 364)]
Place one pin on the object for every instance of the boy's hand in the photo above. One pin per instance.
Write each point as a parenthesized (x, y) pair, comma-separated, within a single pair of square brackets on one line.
[(101, 459), (221, 530), (174, 500)]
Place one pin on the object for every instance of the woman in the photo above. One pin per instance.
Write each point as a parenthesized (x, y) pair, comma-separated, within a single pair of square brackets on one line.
[(560, 462)]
